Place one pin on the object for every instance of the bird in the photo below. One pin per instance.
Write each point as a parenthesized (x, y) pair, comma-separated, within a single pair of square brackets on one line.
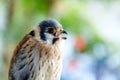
[(39, 55)]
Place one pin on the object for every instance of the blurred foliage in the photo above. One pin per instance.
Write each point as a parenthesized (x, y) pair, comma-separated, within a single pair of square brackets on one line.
[(26, 13)]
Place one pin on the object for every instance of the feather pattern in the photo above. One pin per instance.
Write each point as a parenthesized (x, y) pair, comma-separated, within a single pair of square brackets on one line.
[(35, 60), (39, 55)]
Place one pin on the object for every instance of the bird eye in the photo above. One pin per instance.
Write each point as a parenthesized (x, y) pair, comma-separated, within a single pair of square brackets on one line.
[(52, 30), (61, 29)]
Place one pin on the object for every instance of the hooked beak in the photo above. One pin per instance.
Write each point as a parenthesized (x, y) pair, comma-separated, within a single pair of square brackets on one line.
[(64, 32), (60, 36)]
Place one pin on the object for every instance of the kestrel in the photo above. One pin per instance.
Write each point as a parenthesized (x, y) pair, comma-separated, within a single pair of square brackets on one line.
[(39, 54)]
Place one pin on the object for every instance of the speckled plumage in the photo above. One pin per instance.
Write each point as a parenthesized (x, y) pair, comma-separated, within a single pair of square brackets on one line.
[(35, 59)]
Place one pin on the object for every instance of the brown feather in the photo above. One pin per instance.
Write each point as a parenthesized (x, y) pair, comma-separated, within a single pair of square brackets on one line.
[(16, 51)]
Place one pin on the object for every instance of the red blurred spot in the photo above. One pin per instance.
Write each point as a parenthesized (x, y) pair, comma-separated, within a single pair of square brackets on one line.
[(80, 43), (73, 64)]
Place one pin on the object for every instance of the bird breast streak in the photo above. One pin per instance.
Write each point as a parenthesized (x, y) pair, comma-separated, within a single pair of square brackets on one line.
[(50, 62)]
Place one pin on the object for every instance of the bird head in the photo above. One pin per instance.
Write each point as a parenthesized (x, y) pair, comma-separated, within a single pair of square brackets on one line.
[(51, 31)]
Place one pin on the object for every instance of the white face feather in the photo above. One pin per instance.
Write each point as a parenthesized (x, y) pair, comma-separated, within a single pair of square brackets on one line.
[(50, 38), (61, 44)]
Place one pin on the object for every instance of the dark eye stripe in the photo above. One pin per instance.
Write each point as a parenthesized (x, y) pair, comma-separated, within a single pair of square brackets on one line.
[(52, 30)]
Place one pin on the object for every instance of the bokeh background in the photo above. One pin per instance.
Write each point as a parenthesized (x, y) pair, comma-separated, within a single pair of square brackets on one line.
[(92, 50)]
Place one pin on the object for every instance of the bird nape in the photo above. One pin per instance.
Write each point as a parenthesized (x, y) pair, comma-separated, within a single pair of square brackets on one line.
[(39, 54)]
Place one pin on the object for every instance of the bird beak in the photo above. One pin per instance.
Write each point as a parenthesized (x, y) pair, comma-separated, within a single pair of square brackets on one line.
[(61, 35), (64, 32), (64, 36)]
